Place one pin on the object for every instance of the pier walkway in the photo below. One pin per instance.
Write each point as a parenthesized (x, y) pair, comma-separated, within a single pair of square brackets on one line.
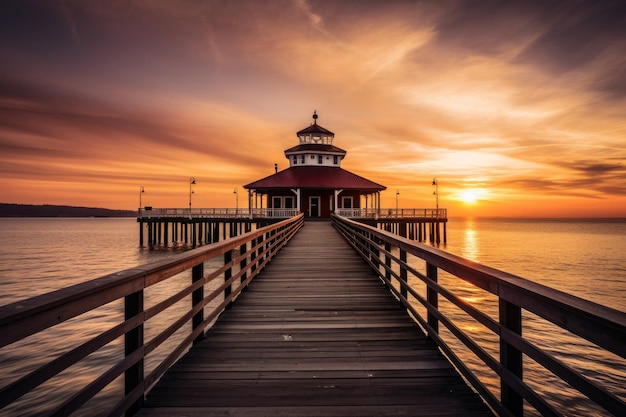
[(316, 334)]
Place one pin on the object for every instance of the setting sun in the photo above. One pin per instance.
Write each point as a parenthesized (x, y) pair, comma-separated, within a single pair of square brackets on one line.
[(469, 196)]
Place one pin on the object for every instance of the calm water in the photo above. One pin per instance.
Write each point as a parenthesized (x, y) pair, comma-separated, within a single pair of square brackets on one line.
[(584, 258)]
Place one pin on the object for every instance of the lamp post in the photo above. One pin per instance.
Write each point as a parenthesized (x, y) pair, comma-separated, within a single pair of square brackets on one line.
[(436, 193), (141, 191), (192, 181), (397, 194), (236, 192)]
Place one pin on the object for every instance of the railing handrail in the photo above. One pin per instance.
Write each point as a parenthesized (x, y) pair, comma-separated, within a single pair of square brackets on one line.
[(21, 319), (598, 324)]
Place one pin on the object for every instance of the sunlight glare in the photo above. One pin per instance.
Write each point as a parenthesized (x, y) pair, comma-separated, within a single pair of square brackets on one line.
[(469, 196)]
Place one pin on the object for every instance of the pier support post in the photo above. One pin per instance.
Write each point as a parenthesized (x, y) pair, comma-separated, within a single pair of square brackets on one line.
[(216, 232), (149, 224)]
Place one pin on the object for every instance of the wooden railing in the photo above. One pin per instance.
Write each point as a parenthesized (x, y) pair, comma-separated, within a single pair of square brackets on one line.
[(514, 298), (241, 259)]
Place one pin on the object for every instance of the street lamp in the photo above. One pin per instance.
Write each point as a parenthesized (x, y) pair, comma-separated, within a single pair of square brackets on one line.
[(436, 193), (192, 181), (236, 192), (397, 194), (141, 191)]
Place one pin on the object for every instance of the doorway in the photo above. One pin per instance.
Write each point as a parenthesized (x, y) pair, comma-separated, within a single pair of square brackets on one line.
[(314, 206)]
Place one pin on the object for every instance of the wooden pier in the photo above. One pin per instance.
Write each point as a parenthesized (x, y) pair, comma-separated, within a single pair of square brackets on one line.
[(314, 319), (316, 334)]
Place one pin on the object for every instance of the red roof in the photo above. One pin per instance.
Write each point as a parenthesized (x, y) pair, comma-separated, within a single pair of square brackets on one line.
[(315, 177), (315, 148), (315, 128)]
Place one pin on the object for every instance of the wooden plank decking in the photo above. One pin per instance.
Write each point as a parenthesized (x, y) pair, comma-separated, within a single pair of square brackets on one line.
[(316, 334)]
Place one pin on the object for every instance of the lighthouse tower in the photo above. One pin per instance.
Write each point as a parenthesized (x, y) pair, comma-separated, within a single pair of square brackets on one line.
[(314, 183), (315, 148)]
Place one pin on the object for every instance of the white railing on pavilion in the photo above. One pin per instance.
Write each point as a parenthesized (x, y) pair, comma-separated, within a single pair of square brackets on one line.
[(219, 213), (250, 213), (384, 213)]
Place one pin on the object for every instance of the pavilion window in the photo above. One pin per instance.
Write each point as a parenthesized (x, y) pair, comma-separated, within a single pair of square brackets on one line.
[(335, 159), (320, 159), (302, 159)]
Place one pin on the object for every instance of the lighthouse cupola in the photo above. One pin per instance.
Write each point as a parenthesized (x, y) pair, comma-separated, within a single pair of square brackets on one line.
[(316, 133), (315, 147)]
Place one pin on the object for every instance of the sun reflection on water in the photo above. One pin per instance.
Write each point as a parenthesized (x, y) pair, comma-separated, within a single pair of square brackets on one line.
[(471, 241)]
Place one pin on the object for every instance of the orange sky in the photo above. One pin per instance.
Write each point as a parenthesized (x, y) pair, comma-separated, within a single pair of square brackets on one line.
[(519, 105)]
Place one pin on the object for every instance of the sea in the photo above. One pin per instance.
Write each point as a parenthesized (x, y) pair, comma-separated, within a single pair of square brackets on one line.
[(583, 257)]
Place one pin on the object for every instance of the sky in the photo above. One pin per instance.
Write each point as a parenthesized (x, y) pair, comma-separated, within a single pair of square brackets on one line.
[(517, 108)]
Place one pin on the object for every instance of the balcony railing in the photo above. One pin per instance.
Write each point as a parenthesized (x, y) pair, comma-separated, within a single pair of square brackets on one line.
[(219, 213), (284, 213), (385, 213)]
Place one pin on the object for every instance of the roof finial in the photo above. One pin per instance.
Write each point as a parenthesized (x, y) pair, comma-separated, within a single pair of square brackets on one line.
[(315, 117)]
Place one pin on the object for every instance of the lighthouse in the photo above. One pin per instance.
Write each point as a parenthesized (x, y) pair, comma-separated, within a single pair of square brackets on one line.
[(315, 184)]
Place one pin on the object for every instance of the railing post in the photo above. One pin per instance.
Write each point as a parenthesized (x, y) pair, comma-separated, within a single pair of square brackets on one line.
[(197, 274), (432, 296), (267, 239), (244, 262), (375, 252), (403, 274), (510, 357), (260, 242), (228, 273), (253, 256), (133, 340), (387, 261)]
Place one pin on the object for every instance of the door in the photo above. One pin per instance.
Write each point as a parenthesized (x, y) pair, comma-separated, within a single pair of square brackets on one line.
[(314, 206)]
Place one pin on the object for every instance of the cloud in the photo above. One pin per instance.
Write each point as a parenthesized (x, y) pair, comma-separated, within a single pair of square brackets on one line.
[(518, 96)]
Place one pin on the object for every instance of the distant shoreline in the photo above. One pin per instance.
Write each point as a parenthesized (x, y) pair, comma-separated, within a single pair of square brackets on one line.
[(48, 210)]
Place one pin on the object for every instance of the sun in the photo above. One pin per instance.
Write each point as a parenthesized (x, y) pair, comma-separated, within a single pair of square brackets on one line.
[(469, 196)]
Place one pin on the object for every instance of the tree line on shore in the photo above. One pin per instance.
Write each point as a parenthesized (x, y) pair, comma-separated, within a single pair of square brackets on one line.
[(48, 210)]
